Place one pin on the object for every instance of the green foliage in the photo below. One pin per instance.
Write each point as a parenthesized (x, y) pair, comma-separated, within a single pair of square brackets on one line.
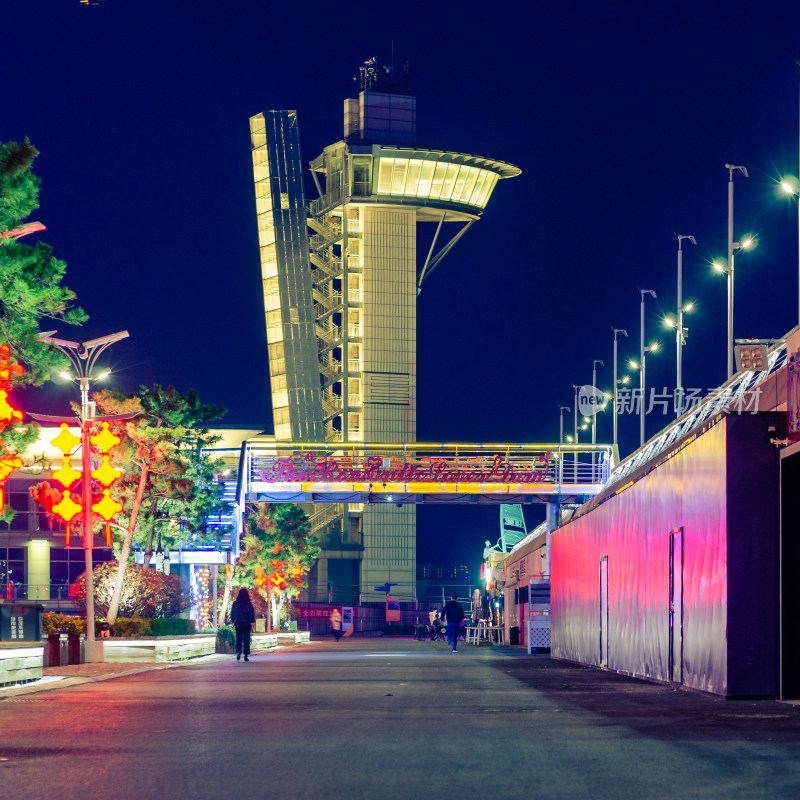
[(168, 485), (53, 622), (277, 532), (30, 277), (226, 634), (124, 627), (146, 592)]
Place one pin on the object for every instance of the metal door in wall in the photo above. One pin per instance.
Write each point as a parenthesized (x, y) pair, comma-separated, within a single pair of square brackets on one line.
[(676, 606), (604, 611)]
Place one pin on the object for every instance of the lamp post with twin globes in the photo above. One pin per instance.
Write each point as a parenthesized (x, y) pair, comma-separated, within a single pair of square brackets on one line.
[(83, 357)]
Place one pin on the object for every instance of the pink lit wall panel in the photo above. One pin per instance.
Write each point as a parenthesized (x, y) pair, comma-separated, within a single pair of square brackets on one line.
[(633, 530)]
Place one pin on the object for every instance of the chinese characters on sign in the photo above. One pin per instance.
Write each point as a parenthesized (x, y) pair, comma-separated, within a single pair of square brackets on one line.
[(375, 469), (629, 401)]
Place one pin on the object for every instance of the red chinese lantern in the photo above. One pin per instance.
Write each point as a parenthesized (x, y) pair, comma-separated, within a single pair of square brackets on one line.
[(105, 474), (66, 509), (8, 414)]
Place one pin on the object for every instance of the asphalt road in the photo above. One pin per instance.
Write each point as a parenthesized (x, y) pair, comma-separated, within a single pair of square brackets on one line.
[(390, 719)]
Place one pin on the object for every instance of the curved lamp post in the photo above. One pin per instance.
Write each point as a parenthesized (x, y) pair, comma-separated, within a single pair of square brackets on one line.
[(83, 357)]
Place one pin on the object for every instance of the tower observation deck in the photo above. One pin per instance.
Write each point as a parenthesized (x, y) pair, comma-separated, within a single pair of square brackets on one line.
[(341, 274)]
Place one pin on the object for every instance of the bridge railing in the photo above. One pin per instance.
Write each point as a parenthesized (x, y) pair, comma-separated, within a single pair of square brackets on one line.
[(376, 464)]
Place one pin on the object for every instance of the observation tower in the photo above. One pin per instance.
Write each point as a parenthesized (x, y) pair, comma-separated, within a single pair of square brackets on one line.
[(341, 274)]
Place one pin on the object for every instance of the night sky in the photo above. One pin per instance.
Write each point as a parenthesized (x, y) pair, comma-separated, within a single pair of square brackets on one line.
[(621, 116)]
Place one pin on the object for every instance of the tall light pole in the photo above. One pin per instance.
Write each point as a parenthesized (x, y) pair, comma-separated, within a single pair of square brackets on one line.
[(575, 431), (680, 331), (561, 410), (625, 334), (642, 292), (731, 168), (83, 357)]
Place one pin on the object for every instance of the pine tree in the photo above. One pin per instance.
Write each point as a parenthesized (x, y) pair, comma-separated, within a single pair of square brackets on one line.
[(30, 277), (167, 488), (277, 541)]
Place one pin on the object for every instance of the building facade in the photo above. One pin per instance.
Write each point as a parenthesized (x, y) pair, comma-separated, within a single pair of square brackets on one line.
[(341, 274)]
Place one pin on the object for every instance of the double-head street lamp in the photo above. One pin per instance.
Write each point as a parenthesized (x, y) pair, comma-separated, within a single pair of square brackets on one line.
[(680, 331), (642, 292), (653, 348), (732, 246), (561, 410), (616, 384), (83, 357), (791, 189)]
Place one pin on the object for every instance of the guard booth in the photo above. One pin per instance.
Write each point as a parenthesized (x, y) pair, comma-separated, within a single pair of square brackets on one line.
[(20, 621)]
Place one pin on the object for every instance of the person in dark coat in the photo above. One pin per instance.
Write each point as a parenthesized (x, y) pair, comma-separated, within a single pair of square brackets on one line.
[(243, 617), (453, 614)]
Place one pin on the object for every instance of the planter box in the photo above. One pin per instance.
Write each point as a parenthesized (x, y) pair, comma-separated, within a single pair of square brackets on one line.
[(156, 649), (20, 663)]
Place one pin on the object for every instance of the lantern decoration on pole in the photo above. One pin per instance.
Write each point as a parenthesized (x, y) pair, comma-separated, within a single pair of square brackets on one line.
[(8, 415), (105, 474), (66, 508), (298, 572), (260, 579)]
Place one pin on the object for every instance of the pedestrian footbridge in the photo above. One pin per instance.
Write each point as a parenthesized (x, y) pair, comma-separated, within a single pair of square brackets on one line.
[(423, 473)]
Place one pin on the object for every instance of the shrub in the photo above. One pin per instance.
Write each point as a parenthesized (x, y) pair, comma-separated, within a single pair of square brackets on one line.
[(227, 635), (173, 626), (52, 622), (146, 593)]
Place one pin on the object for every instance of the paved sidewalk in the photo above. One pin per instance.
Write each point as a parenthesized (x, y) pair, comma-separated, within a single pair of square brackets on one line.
[(76, 674)]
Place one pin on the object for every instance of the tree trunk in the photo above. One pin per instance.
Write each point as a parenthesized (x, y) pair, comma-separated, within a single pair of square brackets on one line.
[(148, 547), (125, 552), (226, 597)]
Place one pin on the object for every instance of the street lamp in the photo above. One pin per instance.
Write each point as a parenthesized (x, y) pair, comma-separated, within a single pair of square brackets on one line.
[(680, 331), (616, 384), (83, 357), (791, 189), (642, 292), (641, 365), (745, 244), (561, 410), (731, 247)]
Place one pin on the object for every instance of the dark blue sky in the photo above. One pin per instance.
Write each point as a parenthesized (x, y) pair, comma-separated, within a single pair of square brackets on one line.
[(620, 114)]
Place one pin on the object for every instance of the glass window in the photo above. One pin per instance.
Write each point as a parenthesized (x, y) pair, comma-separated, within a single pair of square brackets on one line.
[(438, 178), (399, 175), (476, 192), (461, 180), (362, 182), (412, 180), (487, 189), (385, 177), (449, 180), (472, 177), (425, 175), (283, 432), (274, 327)]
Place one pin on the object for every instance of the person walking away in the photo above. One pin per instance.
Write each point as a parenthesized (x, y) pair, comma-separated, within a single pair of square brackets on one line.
[(243, 617), (453, 614), (336, 623)]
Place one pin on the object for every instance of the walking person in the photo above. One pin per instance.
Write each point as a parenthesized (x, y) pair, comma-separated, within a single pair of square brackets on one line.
[(336, 623), (243, 617), (453, 614)]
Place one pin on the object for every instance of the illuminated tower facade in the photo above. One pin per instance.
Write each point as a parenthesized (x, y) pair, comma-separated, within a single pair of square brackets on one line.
[(341, 276)]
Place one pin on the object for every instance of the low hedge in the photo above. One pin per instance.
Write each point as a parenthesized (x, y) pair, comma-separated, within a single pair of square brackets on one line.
[(128, 628)]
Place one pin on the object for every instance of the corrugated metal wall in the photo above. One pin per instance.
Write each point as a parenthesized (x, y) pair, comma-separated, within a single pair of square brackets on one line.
[(633, 531)]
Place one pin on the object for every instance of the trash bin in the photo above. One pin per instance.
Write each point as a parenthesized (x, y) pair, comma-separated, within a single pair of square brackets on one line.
[(513, 634), (57, 650), (76, 648)]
